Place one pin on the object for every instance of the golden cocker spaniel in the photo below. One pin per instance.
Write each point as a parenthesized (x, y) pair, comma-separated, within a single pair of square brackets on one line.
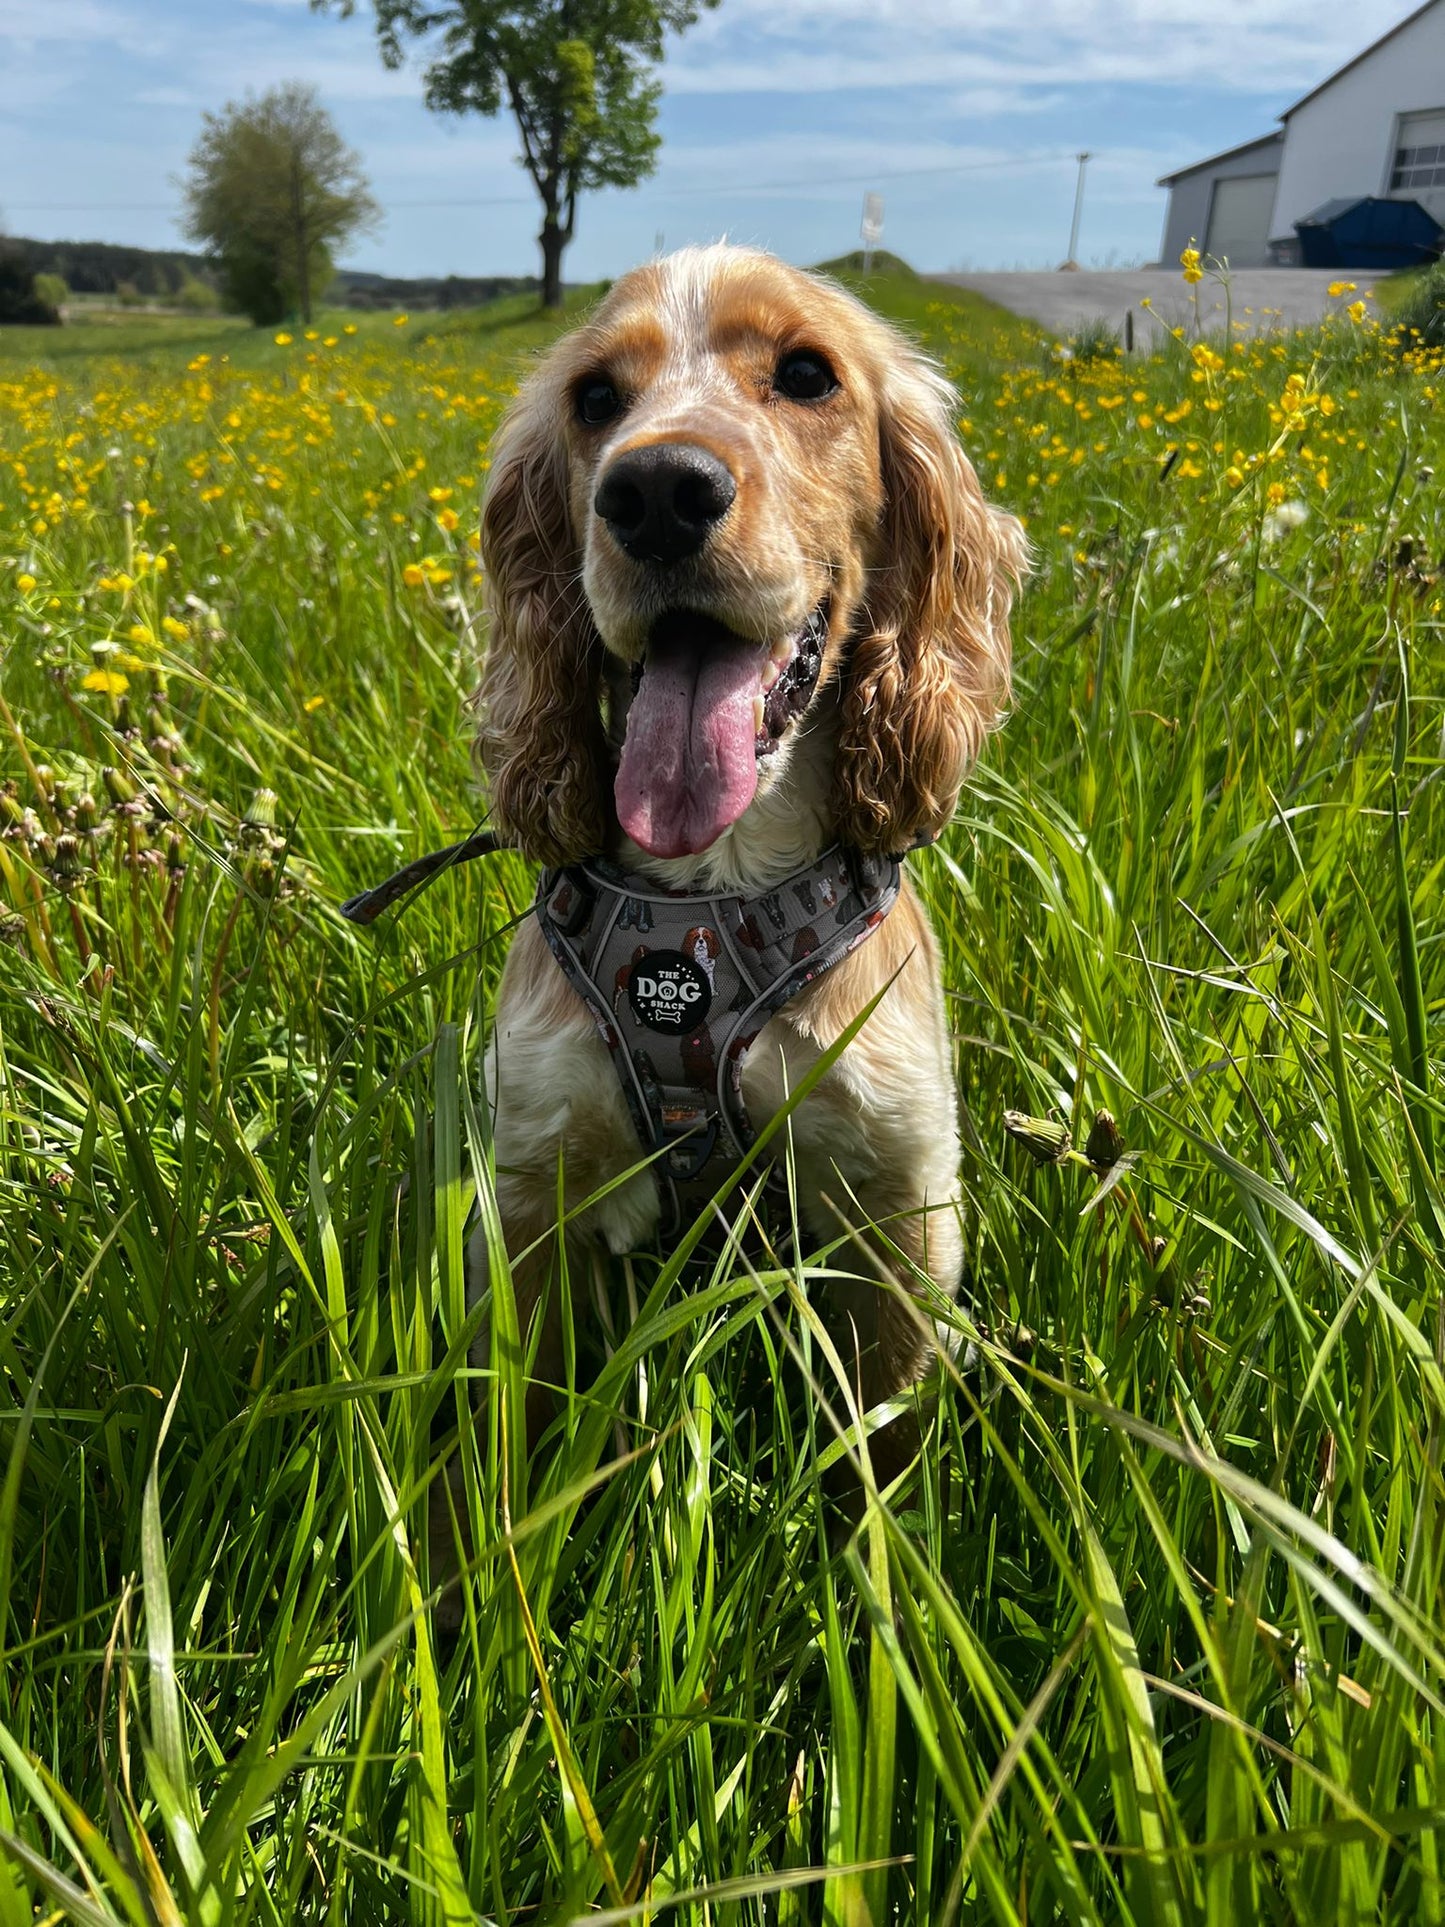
[(747, 602)]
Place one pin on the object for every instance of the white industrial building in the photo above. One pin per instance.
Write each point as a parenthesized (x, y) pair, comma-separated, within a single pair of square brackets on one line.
[(1376, 127)]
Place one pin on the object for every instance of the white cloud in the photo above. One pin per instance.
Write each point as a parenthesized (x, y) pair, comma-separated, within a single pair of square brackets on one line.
[(35, 22), (1269, 47)]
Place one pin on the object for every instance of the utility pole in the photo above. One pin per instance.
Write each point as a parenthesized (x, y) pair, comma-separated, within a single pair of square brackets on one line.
[(1072, 260)]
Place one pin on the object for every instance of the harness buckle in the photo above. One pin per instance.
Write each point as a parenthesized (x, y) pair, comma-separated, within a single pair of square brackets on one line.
[(691, 1138)]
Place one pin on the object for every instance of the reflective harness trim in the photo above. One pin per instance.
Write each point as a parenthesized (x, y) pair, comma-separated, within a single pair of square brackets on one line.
[(680, 986)]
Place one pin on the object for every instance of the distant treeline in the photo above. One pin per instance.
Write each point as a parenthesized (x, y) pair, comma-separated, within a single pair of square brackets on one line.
[(454, 291), (99, 267)]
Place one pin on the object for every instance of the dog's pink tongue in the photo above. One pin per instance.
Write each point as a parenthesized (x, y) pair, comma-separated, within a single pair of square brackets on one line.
[(689, 763)]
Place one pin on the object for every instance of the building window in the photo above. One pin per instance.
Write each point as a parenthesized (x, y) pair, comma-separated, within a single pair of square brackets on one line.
[(1418, 167), (1420, 153)]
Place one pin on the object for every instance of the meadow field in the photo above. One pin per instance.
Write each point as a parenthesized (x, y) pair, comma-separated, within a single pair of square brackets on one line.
[(1157, 1634)]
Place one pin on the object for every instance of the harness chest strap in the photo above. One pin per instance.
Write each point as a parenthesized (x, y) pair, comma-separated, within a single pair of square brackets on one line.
[(680, 986)]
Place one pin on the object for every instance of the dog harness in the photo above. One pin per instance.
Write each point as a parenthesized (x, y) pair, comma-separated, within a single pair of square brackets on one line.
[(680, 986)]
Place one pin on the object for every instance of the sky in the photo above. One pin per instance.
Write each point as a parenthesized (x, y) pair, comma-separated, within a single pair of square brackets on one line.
[(777, 115)]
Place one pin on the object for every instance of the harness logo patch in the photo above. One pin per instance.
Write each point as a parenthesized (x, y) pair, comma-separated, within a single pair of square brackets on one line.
[(668, 992)]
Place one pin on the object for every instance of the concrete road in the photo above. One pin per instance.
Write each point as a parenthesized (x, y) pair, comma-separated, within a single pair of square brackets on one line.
[(1262, 298)]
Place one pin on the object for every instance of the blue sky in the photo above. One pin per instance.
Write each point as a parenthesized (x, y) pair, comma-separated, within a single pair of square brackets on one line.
[(964, 114)]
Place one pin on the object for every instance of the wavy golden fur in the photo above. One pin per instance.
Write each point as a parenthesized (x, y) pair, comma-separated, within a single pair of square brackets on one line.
[(928, 672), (540, 733)]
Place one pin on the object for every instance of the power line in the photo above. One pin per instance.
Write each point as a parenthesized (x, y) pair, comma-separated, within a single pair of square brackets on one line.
[(529, 200)]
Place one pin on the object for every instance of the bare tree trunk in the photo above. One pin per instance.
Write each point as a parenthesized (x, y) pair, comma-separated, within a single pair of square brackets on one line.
[(554, 239)]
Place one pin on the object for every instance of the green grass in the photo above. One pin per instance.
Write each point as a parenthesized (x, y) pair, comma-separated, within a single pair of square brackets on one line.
[(1154, 1636), (120, 333), (515, 321)]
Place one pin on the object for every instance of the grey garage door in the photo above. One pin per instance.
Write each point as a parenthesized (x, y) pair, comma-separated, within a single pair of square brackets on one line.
[(1239, 220)]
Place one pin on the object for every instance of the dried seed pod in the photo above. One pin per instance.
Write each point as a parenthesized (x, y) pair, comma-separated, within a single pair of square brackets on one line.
[(118, 786), (1105, 1144), (67, 863), (262, 810), (1046, 1140)]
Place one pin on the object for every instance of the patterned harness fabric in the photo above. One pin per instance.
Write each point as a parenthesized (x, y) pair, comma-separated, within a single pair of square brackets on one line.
[(680, 986)]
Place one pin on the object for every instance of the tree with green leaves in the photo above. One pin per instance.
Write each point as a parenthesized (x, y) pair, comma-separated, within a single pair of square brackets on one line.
[(575, 74), (271, 191), (20, 301)]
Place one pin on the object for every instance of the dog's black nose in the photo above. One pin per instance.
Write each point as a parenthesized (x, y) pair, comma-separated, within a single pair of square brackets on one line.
[(663, 501)]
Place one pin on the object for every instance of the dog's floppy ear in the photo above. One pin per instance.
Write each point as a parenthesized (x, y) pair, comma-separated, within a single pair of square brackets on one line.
[(539, 735), (929, 668)]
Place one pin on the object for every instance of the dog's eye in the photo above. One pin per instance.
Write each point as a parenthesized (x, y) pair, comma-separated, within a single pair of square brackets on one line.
[(804, 376), (597, 401)]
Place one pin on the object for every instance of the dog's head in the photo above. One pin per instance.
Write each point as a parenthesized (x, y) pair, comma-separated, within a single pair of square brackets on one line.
[(743, 488)]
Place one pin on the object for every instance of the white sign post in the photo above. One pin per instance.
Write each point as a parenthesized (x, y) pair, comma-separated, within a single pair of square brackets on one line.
[(872, 228)]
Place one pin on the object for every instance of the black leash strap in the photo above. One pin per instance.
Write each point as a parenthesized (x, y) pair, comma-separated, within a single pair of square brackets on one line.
[(367, 905)]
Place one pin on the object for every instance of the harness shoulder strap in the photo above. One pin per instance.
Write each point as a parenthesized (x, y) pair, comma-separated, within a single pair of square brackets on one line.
[(793, 936)]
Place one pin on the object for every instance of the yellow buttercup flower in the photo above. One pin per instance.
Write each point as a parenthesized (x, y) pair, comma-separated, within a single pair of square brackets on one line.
[(283, 340), (25, 583), (106, 682), (413, 576), (1191, 263)]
